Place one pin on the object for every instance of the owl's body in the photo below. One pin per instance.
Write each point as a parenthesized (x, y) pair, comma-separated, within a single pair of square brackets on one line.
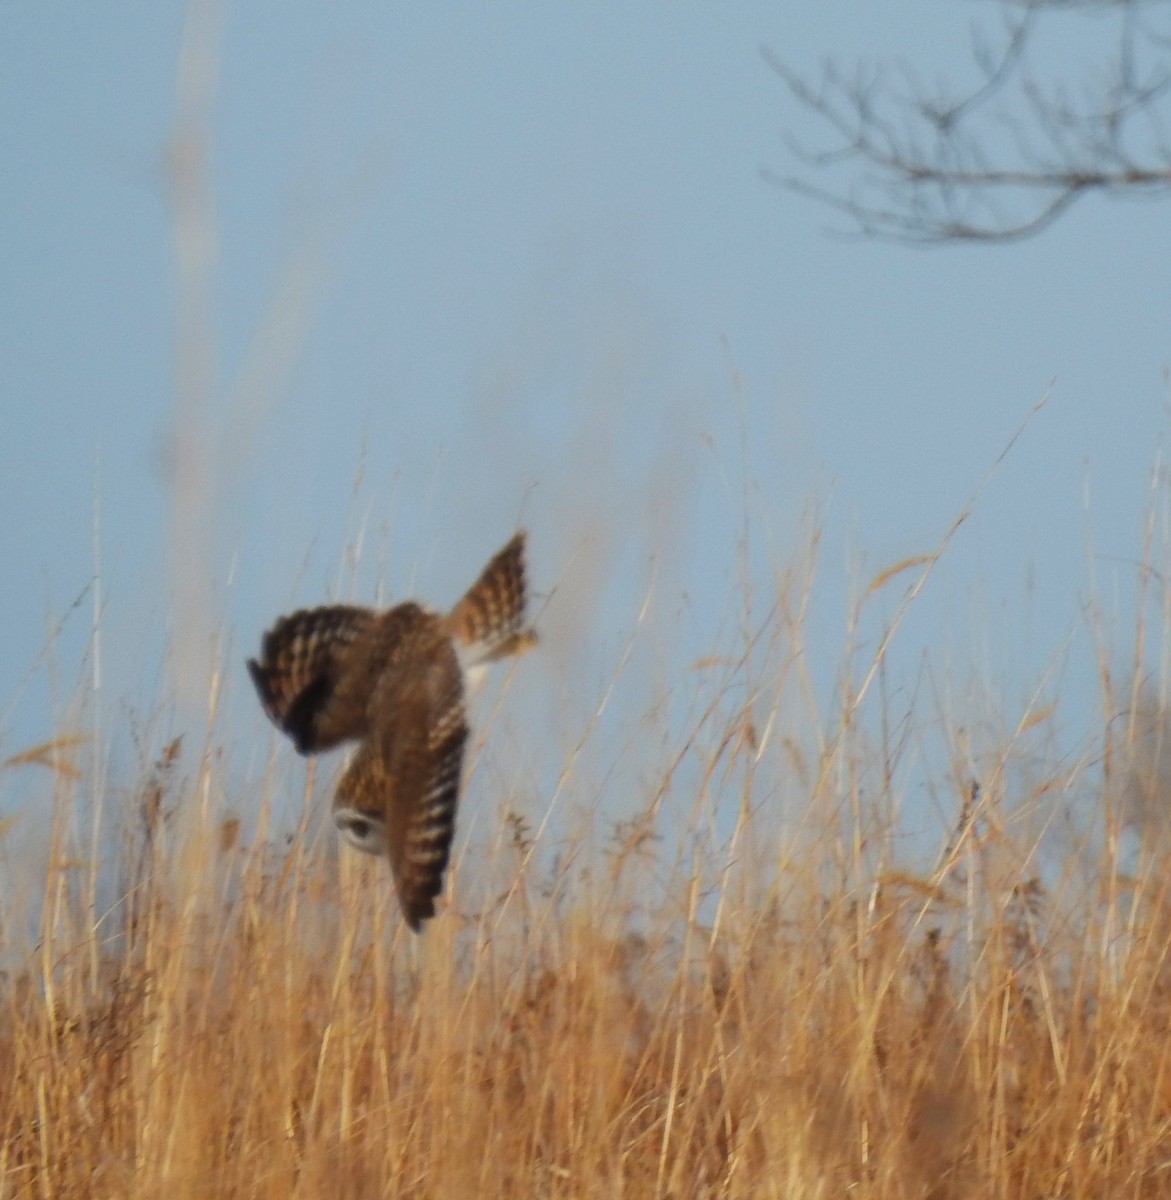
[(394, 681)]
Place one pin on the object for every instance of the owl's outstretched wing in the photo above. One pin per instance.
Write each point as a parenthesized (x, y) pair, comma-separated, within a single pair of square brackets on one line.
[(404, 781), (489, 620), (316, 672)]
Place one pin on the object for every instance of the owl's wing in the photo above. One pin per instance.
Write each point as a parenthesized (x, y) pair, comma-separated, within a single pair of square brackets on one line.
[(312, 674), (489, 620), (410, 765)]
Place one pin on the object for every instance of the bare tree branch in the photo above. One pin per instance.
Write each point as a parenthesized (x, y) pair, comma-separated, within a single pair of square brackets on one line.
[(1004, 159)]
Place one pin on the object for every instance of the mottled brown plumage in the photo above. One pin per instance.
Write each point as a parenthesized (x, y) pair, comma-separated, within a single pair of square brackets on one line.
[(394, 681)]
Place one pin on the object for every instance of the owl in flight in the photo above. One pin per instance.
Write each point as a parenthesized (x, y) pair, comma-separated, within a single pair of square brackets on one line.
[(394, 682)]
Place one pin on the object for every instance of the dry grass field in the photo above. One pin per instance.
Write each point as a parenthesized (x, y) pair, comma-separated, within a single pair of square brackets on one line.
[(746, 990)]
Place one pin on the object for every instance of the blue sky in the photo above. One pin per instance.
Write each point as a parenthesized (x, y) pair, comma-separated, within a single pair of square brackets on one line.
[(477, 265)]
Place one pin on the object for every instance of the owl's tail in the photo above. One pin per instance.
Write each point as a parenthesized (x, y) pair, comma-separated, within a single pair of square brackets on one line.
[(488, 623)]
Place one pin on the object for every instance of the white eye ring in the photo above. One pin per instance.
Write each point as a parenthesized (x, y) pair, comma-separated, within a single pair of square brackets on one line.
[(363, 831)]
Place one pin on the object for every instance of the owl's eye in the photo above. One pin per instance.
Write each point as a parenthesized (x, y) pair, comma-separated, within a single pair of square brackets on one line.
[(362, 832)]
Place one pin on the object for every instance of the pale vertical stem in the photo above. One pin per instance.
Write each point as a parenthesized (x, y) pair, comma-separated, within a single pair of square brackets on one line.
[(99, 748), (192, 464)]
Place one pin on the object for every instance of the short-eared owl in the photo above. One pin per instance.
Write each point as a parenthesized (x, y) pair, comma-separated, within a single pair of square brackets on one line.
[(394, 681)]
